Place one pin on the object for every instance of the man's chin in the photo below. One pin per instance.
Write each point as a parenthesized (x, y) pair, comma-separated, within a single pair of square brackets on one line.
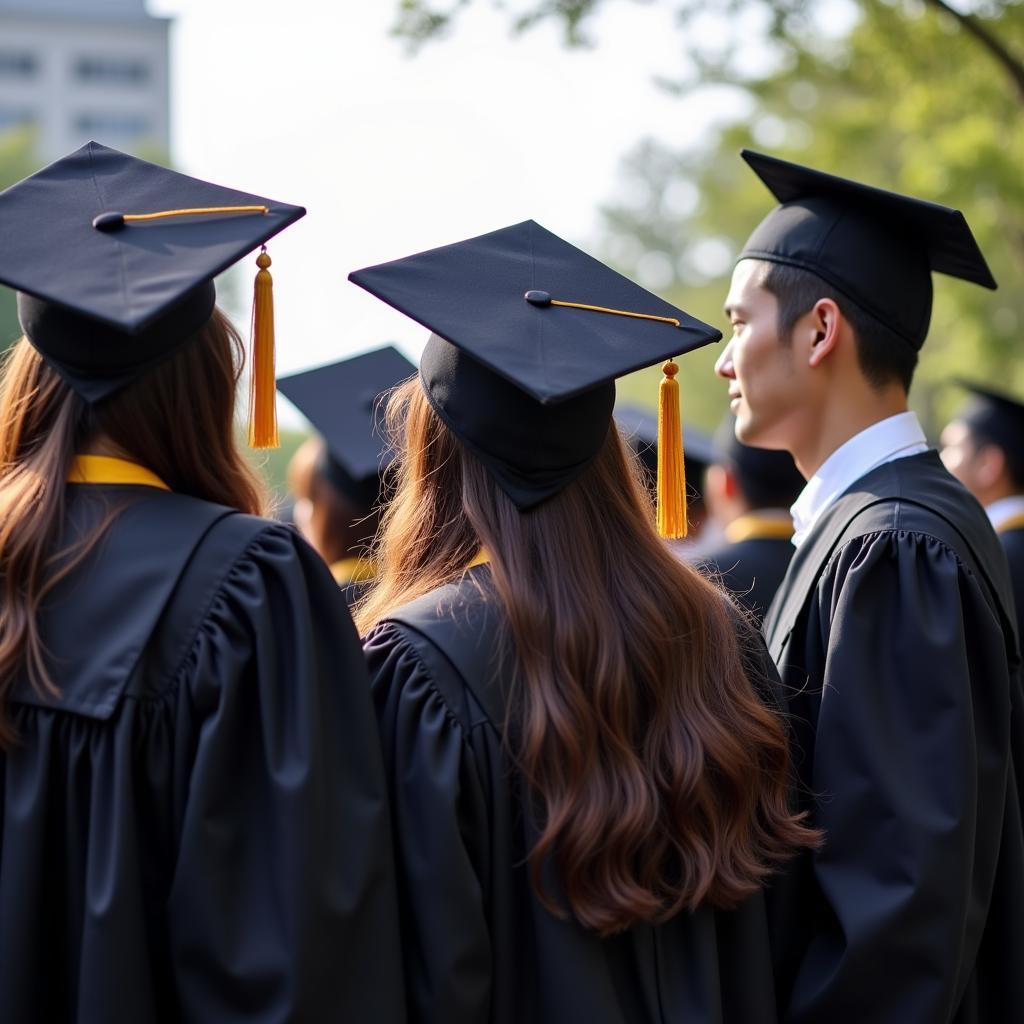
[(753, 434), (746, 428)]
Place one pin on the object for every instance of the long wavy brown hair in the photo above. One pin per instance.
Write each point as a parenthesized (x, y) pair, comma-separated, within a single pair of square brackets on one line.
[(661, 776), (176, 420)]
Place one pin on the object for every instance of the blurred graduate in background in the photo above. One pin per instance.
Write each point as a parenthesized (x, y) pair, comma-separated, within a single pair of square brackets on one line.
[(748, 492), (983, 447), (337, 480)]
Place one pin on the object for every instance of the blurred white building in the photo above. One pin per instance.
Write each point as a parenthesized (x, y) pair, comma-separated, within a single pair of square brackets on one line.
[(75, 70)]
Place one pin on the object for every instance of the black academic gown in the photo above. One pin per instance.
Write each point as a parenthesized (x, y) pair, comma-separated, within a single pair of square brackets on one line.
[(196, 828), (479, 947), (894, 632), (751, 569), (1012, 540)]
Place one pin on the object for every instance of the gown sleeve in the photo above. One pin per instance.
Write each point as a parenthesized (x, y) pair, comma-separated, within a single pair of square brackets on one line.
[(439, 812), (281, 905), (909, 779)]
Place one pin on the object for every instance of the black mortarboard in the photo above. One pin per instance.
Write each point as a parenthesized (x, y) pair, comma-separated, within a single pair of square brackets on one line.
[(768, 478), (994, 417), (876, 247), (345, 402), (515, 367), (105, 297)]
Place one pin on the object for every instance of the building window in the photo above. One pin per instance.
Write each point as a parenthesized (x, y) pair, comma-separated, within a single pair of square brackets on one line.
[(123, 125), (18, 64), (112, 70)]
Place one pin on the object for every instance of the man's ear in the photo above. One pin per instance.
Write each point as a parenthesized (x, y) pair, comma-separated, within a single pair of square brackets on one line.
[(822, 325), (989, 465)]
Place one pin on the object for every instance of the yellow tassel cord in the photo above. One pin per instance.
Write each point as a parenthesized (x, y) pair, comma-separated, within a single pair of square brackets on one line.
[(671, 467), (617, 312), (195, 211), (262, 383)]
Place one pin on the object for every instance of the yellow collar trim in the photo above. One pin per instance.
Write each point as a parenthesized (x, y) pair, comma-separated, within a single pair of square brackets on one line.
[(1013, 523), (755, 527), (105, 469), (480, 558), (353, 570)]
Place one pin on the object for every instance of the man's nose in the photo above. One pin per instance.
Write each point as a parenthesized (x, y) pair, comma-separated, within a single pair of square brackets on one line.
[(723, 364)]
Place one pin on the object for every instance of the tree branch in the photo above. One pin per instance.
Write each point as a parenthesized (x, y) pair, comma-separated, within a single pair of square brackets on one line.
[(976, 28)]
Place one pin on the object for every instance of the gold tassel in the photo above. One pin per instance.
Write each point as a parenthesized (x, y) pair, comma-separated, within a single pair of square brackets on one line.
[(262, 382), (671, 467)]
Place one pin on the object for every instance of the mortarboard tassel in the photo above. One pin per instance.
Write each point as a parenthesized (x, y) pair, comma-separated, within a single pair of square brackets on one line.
[(262, 382), (671, 467)]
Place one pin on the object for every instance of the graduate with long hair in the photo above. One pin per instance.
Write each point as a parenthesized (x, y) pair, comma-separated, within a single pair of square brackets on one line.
[(193, 821), (588, 778)]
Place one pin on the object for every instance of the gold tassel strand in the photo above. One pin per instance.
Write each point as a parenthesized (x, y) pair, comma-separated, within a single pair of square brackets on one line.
[(262, 379), (671, 467)]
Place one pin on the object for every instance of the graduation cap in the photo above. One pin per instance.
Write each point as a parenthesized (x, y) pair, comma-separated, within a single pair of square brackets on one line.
[(345, 402), (876, 247), (529, 334), (113, 259), (994, 417)]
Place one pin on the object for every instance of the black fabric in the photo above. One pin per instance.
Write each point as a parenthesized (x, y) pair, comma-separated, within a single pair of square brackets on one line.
[(1013, 546), (894, 633), (533, 451), (751, 570), (112, 288), (97, 360), (196, 828), (473, 294), (346, 403), (364, 494), (876, 247), (479, 947)]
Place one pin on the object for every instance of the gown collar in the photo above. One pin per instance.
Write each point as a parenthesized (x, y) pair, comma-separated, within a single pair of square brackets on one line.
[(895, 437), (765, 524), (107, 469)]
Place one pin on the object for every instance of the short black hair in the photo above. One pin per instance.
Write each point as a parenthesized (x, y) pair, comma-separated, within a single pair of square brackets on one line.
[(882, 354)]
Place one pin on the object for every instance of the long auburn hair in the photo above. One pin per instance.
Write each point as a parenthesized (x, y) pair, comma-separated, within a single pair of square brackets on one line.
[(661, 778), (177, 420)]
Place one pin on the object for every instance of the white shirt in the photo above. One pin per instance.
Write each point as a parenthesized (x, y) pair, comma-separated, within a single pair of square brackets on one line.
[(896, 437), (1002, 511)]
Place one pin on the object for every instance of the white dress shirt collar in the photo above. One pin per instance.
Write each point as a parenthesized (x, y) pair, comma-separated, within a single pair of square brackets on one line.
[(893, 438)]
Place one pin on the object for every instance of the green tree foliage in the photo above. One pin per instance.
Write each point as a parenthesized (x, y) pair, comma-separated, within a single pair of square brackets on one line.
[(16, 162), (914, 95), (919, 111)]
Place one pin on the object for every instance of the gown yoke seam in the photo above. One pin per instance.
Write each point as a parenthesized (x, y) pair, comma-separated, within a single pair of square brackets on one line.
[(411, 642), (191, 640)]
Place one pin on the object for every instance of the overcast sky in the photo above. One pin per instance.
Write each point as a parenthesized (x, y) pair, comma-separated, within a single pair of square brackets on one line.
[(312, 102)]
